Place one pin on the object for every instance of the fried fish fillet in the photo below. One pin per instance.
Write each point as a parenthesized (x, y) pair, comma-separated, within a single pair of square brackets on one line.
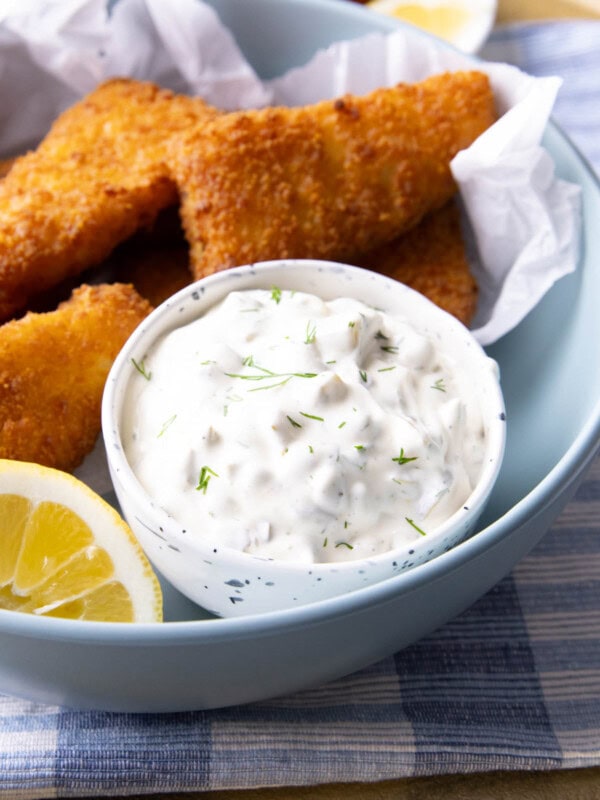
[(53, 367), (330, 180), (97, 177), (432, 259)]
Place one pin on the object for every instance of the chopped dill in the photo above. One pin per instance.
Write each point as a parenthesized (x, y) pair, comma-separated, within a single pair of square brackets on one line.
[(276, 294), (267, 374), (312, 416), (415, 526), (344, 544), (311, 333), (439, 385), (141, 368), (204, 478), (167, 424), (363, 375), (402, 459), (293, 422)]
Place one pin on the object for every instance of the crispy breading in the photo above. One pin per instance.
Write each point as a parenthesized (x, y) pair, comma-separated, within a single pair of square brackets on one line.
[(53, 368), (330, 180), (432, 259), (97, 177)]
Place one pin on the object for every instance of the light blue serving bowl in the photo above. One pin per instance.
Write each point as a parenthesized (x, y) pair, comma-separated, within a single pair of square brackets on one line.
[(551, 382)]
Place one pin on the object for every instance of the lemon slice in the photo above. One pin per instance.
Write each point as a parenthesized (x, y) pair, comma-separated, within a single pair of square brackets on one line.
[(464, 23), (65, 552)]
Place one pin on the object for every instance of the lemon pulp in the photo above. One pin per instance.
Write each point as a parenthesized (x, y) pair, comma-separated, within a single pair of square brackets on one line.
[(55, 563)]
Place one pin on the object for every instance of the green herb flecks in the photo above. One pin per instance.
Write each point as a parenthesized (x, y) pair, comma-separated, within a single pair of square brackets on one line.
[(344, 544), (141, 368), (439, 385), (341, 425), (359, 447), (276, 294), (386, 369), (311, 333), (402, 459), (293, 422), (206, 473), (312, 416), (363, 375), (231, 398), (264, 374), (167, 425), (388, 348), (413, 524)]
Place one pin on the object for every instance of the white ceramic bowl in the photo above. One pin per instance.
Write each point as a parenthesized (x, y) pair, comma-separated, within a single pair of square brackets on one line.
[(229, 582)]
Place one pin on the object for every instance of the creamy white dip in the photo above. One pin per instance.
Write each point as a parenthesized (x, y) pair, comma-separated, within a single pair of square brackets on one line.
[(293, 428)]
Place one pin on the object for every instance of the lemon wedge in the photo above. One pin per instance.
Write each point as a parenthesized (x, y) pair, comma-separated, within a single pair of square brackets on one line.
[(65, 552), (464, 23)]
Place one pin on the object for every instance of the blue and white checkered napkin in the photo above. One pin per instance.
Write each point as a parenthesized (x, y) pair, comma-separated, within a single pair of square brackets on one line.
[(513, 683)]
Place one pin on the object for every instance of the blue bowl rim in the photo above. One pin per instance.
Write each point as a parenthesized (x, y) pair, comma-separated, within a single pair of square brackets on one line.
[(565, 472)]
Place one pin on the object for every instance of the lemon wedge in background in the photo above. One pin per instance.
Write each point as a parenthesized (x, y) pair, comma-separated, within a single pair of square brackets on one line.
[(464, 23), (65, 552)]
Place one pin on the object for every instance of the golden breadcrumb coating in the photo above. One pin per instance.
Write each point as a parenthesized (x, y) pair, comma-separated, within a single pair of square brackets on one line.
[(96, 178), (431, 258), (53, 368), (329, 180)]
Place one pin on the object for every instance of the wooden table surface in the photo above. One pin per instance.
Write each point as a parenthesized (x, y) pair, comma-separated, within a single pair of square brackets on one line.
[(581, 784)]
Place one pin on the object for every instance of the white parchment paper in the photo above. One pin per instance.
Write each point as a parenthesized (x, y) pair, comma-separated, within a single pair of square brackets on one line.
[(525, 221)]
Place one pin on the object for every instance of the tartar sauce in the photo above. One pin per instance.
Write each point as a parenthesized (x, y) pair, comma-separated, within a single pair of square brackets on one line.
[(295, 428)]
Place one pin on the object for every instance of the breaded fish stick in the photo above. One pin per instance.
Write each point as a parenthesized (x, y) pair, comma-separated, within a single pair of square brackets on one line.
[(53, 368), (97, 177), (329, 180), (431, 258)]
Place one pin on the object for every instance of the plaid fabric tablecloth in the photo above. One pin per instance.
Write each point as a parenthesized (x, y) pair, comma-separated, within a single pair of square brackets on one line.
[(513, 683)]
